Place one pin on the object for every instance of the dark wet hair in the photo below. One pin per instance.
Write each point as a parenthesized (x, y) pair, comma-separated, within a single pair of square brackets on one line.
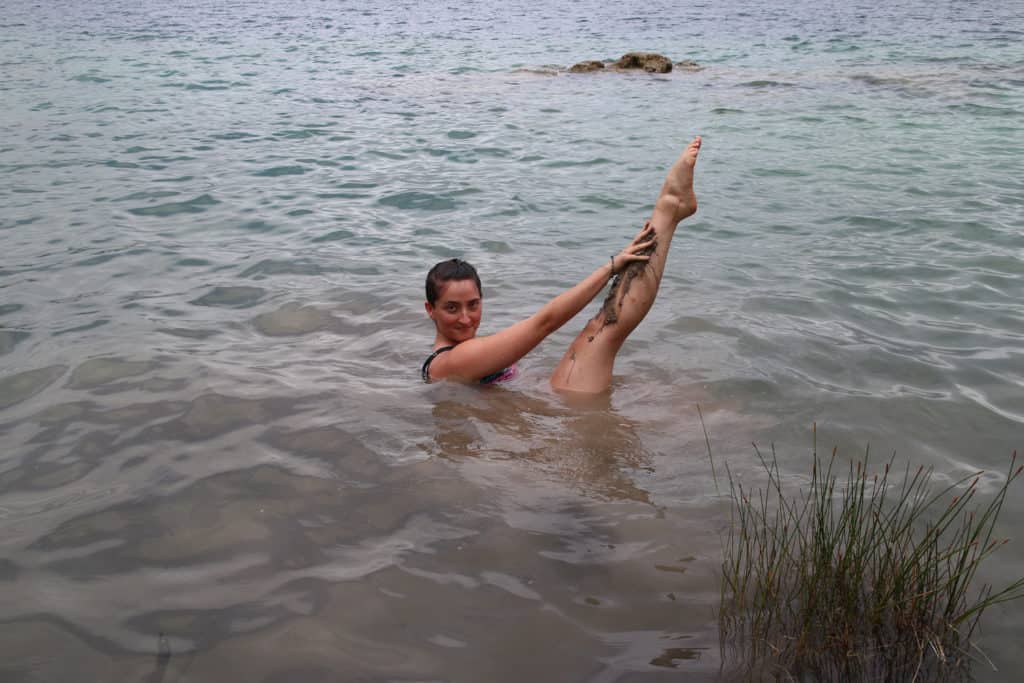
[(452, 269)]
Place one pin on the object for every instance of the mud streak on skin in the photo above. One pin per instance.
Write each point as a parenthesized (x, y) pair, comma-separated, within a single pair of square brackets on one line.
[(622, 281)]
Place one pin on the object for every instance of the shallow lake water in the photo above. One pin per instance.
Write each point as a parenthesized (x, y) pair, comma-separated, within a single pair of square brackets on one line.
[(218, 460)]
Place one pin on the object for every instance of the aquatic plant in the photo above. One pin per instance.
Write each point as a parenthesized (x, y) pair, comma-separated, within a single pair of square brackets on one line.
[(868, 577)]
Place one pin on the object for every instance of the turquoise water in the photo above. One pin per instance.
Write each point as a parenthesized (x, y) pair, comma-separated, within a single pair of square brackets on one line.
[(215, 221)]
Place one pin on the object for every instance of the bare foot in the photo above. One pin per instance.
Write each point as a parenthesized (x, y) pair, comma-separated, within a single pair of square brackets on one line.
[(678, 187)]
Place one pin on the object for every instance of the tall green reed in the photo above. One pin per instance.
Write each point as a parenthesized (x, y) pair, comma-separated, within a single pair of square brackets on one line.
[(870, 576)]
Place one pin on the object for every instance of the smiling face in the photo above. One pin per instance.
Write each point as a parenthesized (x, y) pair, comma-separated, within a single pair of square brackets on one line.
[(457, 311)]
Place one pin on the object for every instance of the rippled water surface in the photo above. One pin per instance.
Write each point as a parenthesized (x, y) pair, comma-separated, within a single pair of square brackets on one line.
[(215, 222)]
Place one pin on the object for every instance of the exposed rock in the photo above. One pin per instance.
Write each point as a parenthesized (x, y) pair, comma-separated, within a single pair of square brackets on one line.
[(650, 62), (689, 65), (587, 67)]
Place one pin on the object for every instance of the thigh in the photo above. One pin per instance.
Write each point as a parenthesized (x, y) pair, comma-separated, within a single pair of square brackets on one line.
[(587, 364)]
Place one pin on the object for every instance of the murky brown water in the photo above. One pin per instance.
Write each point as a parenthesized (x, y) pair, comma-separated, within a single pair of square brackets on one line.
[(512, 536)]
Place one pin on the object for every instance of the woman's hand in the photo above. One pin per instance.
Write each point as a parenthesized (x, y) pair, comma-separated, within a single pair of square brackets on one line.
[(634, 250)]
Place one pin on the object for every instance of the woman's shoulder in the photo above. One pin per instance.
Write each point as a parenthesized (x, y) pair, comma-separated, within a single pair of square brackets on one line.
[(425, 369)]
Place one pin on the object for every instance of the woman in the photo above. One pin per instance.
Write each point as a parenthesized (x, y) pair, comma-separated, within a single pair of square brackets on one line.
[(455, 304)]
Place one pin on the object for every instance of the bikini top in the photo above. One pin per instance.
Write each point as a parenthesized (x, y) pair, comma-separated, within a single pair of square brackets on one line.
[(500, 376)]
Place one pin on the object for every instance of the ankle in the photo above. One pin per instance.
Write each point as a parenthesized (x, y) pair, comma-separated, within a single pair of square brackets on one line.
[(668, 204)]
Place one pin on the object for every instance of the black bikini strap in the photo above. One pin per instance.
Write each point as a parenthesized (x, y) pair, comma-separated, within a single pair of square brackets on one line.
[(425, 370)]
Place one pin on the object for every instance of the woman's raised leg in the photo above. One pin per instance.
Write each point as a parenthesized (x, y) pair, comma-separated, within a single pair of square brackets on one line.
[(587, 364)]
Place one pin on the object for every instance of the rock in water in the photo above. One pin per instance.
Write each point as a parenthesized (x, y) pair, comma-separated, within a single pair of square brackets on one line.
[(586, 67), (650, 62)]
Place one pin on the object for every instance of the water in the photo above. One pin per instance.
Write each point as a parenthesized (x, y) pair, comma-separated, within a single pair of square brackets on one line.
[(219, 463)]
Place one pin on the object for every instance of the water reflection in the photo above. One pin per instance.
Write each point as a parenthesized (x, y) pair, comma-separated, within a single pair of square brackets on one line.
[(21, 386), (233, 553), (580, 440)]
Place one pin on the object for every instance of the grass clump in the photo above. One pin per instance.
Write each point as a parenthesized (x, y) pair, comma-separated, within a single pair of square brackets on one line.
[(868, 577)]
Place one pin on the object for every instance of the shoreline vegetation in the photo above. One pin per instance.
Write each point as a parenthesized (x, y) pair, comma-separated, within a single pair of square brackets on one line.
[(866, 576)]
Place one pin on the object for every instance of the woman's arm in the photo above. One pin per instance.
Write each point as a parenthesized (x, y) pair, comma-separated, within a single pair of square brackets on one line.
[(481, 356)]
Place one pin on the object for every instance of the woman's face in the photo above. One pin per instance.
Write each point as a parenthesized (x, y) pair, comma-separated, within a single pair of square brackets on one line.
[(457, 310)]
